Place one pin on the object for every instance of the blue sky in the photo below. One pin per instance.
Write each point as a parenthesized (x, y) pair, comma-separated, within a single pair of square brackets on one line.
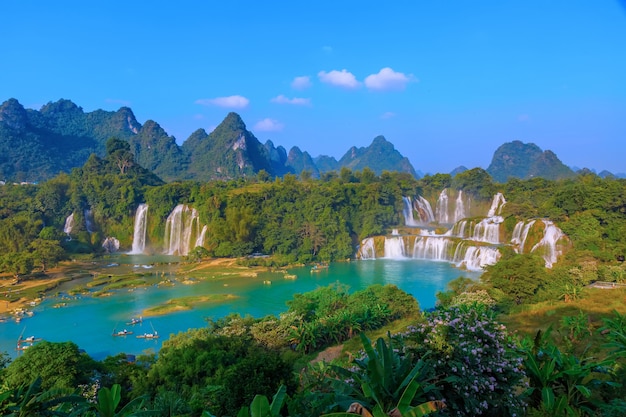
[(446, 82)]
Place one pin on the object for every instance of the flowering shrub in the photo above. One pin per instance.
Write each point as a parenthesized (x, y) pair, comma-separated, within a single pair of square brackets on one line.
[(479, 370), (479, 298)]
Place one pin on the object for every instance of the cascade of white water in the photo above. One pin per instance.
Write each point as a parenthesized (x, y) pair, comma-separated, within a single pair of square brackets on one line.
[(139, 231), (476, 257), (517, 233), (442, 207), (459, 208), (547, 245), (520, 234), (89, 223), (432, 248), (69, 224), (488, 230), (407, 212), (179, 230), (496, 205), (459, 229), (111, 244), (200, 240), (394, 248), (367, 249), (425, 210)]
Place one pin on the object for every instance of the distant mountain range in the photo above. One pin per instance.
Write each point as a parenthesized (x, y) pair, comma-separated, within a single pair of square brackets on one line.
[(38, 144)]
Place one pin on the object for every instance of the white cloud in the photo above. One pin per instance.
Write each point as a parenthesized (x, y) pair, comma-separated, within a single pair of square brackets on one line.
[(268, 125), (327, 49), (388, 115), (341, 78), (235, 102), (295, 101), (387, 79), (301, 83)]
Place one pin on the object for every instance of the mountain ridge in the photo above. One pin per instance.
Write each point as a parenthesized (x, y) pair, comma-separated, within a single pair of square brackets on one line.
[(38, 144)]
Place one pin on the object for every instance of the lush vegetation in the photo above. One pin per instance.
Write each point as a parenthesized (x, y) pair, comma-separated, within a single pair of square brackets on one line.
[(457, 360)]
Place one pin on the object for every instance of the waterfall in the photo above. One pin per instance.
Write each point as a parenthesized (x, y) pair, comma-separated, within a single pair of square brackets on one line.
[(458, 229), (476, 257), (547, 244), (520, 233), (432, 248), (200, 240), (179, 230), (459, 208), (139, 233), (488, 230), (442, 207), (367, 249), (425, 210), (496, 205), (394, 248), (89, 223), (69, 224), (407, 211), (111, 244)]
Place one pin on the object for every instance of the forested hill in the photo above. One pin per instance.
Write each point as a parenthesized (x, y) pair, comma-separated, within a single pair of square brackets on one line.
[(36, 145), (526, 160)]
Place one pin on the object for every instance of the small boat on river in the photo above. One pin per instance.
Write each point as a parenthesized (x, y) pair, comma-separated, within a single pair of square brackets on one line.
[(122, 333), (319, 268), (153, 335), (135, 320), (148, 336)]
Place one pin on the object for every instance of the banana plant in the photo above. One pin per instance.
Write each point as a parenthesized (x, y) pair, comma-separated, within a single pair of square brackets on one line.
[(560, 383), (386, 382), (261, 407), (35, 401), (109, 400)]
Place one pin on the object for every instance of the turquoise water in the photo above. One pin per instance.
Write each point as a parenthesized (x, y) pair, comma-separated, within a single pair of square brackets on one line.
[(89, 322)]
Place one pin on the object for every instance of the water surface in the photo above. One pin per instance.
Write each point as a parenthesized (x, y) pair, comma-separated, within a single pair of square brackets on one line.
[(90, 322)]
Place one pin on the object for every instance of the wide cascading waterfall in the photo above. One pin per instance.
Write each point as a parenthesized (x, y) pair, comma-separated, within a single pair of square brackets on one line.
[(496, 205), (367, 249), (407, 211), (69, 224), (520, 234), (394, 248), (139, 232), (547, 245), (431, 248), (441, 211), (469, 242), (425, 210), (181, 226)]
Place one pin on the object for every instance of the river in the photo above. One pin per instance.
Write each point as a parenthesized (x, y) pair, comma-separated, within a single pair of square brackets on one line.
[(90, 321)]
